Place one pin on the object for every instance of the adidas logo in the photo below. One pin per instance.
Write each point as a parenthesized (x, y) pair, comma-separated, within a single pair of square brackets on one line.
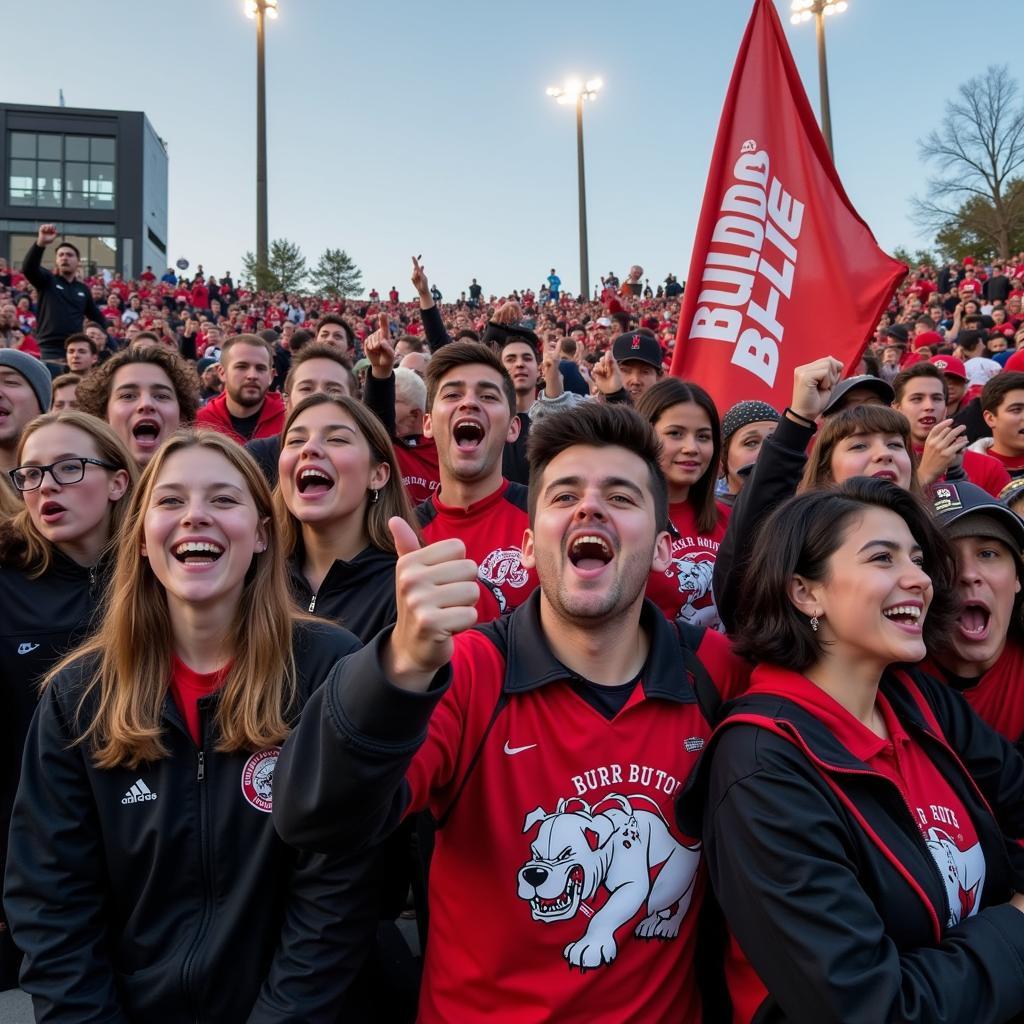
[(138, 793)]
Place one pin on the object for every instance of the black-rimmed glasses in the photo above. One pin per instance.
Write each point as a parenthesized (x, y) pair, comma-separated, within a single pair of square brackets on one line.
[(67, 471)]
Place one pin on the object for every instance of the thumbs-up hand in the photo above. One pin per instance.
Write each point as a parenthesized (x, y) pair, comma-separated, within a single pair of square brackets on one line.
[(436, 591), (379, 350)]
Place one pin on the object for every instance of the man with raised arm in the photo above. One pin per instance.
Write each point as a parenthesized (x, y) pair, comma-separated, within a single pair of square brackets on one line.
[(548, 745), (64, 301)]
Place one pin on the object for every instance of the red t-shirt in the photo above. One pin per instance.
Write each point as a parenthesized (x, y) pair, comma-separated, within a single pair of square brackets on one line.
[(418, 463), (683, 590), (998, 696), (188, 686), (1013, 464), (986, 472), (492, 530)]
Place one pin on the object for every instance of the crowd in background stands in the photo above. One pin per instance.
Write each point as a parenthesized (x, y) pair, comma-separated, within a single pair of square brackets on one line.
[(602, 522)]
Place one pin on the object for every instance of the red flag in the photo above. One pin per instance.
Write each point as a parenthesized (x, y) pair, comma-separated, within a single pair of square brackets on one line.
[(783, 270)]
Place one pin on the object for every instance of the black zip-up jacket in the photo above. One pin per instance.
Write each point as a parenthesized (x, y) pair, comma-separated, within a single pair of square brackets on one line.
[(774, 478), (359, 595), (163, 893), (63, 305), (825, 878), (41, 620)]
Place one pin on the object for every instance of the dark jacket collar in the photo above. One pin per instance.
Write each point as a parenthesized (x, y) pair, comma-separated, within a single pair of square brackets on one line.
[(775, 693), (530, 663)]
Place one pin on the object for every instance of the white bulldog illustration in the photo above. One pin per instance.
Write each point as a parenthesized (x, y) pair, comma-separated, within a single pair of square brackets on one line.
[(694, 580), (580, 848)]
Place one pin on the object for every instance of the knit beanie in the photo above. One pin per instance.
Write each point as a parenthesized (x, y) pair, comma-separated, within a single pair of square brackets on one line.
[(744, 413), (34, 371)]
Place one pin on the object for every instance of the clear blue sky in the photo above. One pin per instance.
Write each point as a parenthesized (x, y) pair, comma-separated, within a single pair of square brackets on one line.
[(400, 128)]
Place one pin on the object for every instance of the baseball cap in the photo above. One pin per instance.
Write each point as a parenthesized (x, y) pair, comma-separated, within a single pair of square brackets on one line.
[(980, 369), (928, 338), (950, 365), (1015, 362), (639, 347), (205, 363), (963, 509), (862, 380), (1012, 490), (898, 332)]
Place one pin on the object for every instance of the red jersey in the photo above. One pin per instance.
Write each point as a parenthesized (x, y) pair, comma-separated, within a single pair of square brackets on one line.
[(492, 530), (683, 590), (558, 844), (417, 459)]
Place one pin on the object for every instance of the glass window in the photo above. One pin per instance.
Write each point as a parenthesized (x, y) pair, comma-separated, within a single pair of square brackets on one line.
[(23, 144), (76, 147), (75, 175), (49, 147), (101, 150), (82, 178)]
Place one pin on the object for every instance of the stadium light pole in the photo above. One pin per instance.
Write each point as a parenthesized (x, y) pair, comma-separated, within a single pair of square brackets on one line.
[(803, 10), (261, 10), (575, 91)]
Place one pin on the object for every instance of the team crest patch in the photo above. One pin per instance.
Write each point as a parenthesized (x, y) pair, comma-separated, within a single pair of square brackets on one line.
[(258, 779)]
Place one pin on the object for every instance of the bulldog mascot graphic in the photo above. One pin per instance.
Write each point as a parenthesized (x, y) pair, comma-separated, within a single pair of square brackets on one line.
[(614, 845)]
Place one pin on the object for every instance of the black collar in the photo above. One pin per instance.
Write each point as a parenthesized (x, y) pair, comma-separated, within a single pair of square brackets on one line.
[(530, 663)]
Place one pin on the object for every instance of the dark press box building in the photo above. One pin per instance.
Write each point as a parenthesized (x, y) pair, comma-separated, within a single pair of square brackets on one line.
[(99, 175)]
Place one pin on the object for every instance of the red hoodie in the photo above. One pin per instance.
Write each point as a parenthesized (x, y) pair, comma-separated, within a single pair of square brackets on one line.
[(271, 422)]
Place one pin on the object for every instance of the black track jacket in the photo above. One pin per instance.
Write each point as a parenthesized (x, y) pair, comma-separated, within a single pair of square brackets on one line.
[(163, 893), (825, 878)]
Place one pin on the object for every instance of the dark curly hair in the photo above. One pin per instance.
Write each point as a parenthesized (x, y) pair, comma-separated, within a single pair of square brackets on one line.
[(93, 394)]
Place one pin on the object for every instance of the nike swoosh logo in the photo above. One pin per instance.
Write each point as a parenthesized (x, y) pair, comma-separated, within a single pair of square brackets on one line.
[(518, 750)]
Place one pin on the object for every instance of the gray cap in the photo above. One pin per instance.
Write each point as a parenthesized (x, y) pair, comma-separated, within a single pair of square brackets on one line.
[(35, 372)]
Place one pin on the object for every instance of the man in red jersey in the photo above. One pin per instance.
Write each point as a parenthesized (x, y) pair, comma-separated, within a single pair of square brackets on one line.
[(1002, 402), (471, 414), (549, 746)]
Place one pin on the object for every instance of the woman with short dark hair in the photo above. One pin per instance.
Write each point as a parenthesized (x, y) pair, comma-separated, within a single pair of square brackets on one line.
[(860, 821)]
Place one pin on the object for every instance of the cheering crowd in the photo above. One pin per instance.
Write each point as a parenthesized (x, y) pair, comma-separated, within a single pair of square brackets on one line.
[(320, 612)]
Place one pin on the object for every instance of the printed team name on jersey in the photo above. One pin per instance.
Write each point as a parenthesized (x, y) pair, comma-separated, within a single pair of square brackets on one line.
[(419, 481), (634, 774), (937, 813)]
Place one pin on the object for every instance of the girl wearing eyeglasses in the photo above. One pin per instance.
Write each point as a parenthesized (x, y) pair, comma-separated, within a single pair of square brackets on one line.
[(73, 475), (146, 881)]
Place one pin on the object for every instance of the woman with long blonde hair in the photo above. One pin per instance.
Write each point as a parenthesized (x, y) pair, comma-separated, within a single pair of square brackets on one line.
[(338, 485), (164, 893), (73, 476)]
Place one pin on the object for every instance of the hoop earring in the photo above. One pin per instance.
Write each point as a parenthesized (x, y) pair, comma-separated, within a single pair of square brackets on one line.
[(814, 623)]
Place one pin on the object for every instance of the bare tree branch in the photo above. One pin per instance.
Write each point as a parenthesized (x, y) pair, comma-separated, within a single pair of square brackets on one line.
[(978, 151)]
